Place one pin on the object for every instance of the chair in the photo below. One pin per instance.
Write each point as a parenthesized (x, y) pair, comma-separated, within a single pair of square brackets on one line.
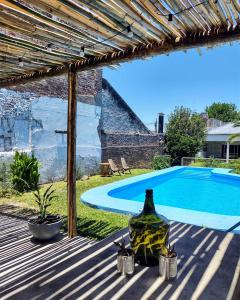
[(113, 167), (124, 165)]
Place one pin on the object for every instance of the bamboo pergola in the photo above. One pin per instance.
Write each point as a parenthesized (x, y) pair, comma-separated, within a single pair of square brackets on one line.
[(41, 38)]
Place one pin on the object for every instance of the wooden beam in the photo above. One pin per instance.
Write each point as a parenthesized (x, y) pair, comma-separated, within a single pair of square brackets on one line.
[(143, 50), (71, 154)]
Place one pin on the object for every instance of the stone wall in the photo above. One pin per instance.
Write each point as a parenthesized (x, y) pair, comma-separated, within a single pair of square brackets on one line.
[(15, 111), (89, 86), (33, 118), (116, 115), (50, 143), (137, 149), (123, 134)]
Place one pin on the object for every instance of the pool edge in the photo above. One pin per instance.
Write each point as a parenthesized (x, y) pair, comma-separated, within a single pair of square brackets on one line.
[(108, 203)]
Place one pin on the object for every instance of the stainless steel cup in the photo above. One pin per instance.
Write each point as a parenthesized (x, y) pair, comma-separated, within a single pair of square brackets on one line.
[(168, 267), (125, 264)]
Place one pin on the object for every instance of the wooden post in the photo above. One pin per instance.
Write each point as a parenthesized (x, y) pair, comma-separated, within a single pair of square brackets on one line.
[(71, 154)]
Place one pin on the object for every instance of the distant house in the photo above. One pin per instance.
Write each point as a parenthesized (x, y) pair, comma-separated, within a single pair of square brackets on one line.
[(217, 141)]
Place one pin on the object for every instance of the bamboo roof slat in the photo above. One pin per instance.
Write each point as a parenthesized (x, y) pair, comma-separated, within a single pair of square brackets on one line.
[(227, 12), (130, 16), (208, 14), (162, 10), (52, 23), (122, 17), (162, 20), (236, 4), (204, 22), (175, 7), (188, 15), (48, 37), (234, 11), (196, 16), (75, 19), (218, 9), (107, 28)]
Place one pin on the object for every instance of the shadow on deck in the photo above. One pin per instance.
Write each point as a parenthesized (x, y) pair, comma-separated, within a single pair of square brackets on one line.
[(208, 267)]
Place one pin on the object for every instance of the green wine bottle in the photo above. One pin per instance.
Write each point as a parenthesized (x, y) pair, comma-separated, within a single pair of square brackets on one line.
[(148, 233)]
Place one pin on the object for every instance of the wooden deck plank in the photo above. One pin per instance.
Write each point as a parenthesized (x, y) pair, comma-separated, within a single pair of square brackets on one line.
[(208, 266)]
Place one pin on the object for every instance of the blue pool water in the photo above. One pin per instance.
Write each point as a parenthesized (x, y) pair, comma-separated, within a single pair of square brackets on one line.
[(188, 188)]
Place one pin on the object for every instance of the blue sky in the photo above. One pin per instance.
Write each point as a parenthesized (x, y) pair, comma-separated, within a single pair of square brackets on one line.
[(188, 79)]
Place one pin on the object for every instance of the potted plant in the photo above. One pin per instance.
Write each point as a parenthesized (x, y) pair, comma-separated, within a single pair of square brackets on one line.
[(125, 259), (168, 262), (44, 226)]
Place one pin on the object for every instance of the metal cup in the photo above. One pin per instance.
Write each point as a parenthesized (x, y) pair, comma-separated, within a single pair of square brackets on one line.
[(168, 267), (125, 264)]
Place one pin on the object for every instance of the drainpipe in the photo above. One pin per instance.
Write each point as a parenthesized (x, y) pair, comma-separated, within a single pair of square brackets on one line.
[(227, 153)]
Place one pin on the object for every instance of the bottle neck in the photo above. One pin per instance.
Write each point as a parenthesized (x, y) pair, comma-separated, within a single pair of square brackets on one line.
[(149, 205)]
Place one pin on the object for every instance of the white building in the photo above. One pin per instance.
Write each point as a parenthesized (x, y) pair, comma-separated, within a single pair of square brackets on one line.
[(217, 142)]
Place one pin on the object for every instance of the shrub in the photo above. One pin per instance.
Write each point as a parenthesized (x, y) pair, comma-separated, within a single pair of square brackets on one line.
[(25, 175), (5, 180), (208, 163), (161, 162), (234, 165), (215, 163)]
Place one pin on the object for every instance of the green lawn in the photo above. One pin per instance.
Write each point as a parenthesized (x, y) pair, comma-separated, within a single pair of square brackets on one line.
[(91, 222)]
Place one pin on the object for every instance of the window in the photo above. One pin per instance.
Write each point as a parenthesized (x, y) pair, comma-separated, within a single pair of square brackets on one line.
[(234, 151)]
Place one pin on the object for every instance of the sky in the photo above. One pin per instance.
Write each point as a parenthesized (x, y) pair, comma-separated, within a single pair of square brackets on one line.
[(188, 79)]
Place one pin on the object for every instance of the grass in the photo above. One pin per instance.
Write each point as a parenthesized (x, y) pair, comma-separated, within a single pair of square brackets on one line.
[(91, 222)]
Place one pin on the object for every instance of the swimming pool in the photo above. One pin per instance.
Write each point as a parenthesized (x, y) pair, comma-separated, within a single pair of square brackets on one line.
[(201, 196)]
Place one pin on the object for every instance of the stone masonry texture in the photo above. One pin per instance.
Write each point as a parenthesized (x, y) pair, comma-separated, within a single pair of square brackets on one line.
[(123, 134), (104, 116), (89, 85)]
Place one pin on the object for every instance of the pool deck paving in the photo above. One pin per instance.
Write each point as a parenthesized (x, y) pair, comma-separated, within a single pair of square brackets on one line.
[(79, 268)]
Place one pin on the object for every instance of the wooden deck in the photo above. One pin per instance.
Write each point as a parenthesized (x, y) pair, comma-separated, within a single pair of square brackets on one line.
[(208, 267)]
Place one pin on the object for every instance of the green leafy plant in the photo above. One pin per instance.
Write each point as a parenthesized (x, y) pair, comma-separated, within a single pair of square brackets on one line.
[(161, 162), (235, 137), (224, 111), (44, 201), (215, 163), (168, 251), (208, 163), (122, 248), (5, 182), (185, 134), (25, 174)]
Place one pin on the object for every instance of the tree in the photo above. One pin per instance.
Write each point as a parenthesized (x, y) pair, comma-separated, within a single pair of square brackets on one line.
[(226, 112), (185, 134), (236, 136)]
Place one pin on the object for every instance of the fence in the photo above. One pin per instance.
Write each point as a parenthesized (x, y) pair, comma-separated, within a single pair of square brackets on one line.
[(186, 161)]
